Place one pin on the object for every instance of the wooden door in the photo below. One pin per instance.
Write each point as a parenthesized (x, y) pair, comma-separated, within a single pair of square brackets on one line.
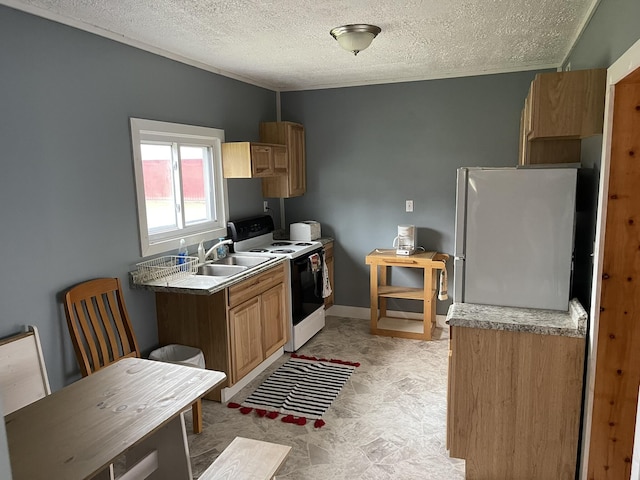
[(245, 332), (614, 368), (274, 325)]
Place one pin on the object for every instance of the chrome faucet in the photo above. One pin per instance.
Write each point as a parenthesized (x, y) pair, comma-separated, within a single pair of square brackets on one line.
[(212, 250)]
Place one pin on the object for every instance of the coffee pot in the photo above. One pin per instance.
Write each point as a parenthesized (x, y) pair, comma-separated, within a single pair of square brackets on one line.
[(405, 241)]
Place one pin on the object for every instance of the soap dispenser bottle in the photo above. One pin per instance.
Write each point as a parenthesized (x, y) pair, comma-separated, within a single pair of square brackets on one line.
[(182, 252)]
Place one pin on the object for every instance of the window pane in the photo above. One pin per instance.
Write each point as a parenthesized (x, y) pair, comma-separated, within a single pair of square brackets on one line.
[(195, 185), (158, 187)]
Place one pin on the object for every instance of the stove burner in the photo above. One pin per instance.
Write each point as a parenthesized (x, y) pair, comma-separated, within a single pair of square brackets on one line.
[(280, 244), (304, 244), (282, 250), (259, 250)]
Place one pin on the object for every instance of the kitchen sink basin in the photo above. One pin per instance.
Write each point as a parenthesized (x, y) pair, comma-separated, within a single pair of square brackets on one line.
[(217, 270), (241, 260)]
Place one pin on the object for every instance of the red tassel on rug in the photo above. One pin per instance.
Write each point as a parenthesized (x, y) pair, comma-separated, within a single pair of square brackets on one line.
[(293, 419), (245, 410), (288, 419), (272, 415), (233, 405), (319, 423), (260, 412)]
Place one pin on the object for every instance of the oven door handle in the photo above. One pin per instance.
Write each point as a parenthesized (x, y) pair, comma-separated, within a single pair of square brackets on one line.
[(304, 259)]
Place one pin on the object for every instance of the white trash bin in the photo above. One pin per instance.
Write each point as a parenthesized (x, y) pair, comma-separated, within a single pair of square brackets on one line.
[(180, 354)]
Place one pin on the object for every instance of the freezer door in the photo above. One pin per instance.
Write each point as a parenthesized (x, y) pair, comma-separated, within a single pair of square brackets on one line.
[(461, 212), (519, 237)]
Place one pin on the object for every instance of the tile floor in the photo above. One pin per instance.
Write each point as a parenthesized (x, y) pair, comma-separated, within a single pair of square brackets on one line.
[(389, 421)]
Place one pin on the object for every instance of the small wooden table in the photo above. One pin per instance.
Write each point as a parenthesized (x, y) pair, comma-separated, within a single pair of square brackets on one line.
[(381, 324), (131, 406)]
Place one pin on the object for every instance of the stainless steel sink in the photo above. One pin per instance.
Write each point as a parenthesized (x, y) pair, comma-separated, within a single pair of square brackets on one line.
[(242, 260), (217, 270)]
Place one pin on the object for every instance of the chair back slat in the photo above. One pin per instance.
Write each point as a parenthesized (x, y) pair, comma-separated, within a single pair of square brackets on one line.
[(99, 325), (119, 315), (23, 375), (108, 338), (84, 330)]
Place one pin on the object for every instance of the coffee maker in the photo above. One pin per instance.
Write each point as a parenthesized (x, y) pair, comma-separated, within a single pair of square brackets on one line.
[(405, 241)]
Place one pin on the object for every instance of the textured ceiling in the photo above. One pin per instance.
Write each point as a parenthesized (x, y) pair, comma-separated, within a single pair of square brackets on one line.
[(285, 44)]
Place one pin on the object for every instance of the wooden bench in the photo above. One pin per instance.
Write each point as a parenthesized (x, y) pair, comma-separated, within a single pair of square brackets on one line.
[(247, 459)]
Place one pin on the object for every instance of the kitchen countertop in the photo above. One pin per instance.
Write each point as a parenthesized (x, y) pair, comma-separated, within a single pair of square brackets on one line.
[(204, 284), (572, 323)]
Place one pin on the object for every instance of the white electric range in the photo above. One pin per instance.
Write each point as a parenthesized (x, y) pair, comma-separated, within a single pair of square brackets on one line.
[(306, 260)]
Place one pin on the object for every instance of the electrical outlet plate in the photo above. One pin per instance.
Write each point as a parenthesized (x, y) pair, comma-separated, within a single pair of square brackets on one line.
[(409, 206), (265, 206)]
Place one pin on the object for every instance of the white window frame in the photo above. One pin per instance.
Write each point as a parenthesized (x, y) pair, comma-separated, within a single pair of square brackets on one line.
[(152, 130)]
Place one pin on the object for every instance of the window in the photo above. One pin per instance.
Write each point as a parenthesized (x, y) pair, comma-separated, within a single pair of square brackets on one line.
[(180, 189)]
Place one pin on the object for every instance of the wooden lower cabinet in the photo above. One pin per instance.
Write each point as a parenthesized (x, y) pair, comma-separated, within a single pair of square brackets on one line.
[(328, 258), (236, 328), (245, 333), (273, 322), (514, 403)]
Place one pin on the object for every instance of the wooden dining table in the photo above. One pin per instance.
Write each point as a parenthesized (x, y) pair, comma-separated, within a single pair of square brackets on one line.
[(133, 406)]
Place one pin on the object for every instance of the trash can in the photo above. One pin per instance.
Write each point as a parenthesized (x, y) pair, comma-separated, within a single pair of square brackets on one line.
[(180, 354)]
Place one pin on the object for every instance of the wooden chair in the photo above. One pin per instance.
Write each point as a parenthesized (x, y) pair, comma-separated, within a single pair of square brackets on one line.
[(23, 375), (101, 330)]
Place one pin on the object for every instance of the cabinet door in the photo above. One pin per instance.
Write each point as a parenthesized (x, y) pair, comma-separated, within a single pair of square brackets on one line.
[(245, 336), (567, 104), (274, 331), (297, 162), (261, 160)]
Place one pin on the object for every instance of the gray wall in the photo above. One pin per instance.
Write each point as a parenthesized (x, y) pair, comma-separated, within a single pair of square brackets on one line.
[(67, 193), (613, 28), (371, 148)]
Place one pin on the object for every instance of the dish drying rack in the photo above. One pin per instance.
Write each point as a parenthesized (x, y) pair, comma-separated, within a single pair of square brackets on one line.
[(169, 267)]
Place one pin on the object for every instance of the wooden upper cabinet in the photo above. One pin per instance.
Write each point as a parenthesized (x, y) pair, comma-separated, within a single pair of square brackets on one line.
[(253, 160), (561, 109), (293, 184), (566, 104)]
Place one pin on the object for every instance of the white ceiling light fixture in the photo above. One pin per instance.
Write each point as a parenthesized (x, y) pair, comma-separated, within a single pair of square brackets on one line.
[(355, 38)]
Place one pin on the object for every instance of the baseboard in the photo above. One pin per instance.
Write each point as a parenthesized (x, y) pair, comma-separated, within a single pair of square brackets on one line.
[(227, 393), (365, 314)]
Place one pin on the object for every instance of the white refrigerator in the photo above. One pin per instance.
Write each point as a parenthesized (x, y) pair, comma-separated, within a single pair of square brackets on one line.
[(514, 236)]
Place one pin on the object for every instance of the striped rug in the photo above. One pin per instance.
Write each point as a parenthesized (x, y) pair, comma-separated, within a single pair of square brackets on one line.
[(301, 387)]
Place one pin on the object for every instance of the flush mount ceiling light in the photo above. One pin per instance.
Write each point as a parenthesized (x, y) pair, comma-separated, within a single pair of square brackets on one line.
[(355, 38)]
